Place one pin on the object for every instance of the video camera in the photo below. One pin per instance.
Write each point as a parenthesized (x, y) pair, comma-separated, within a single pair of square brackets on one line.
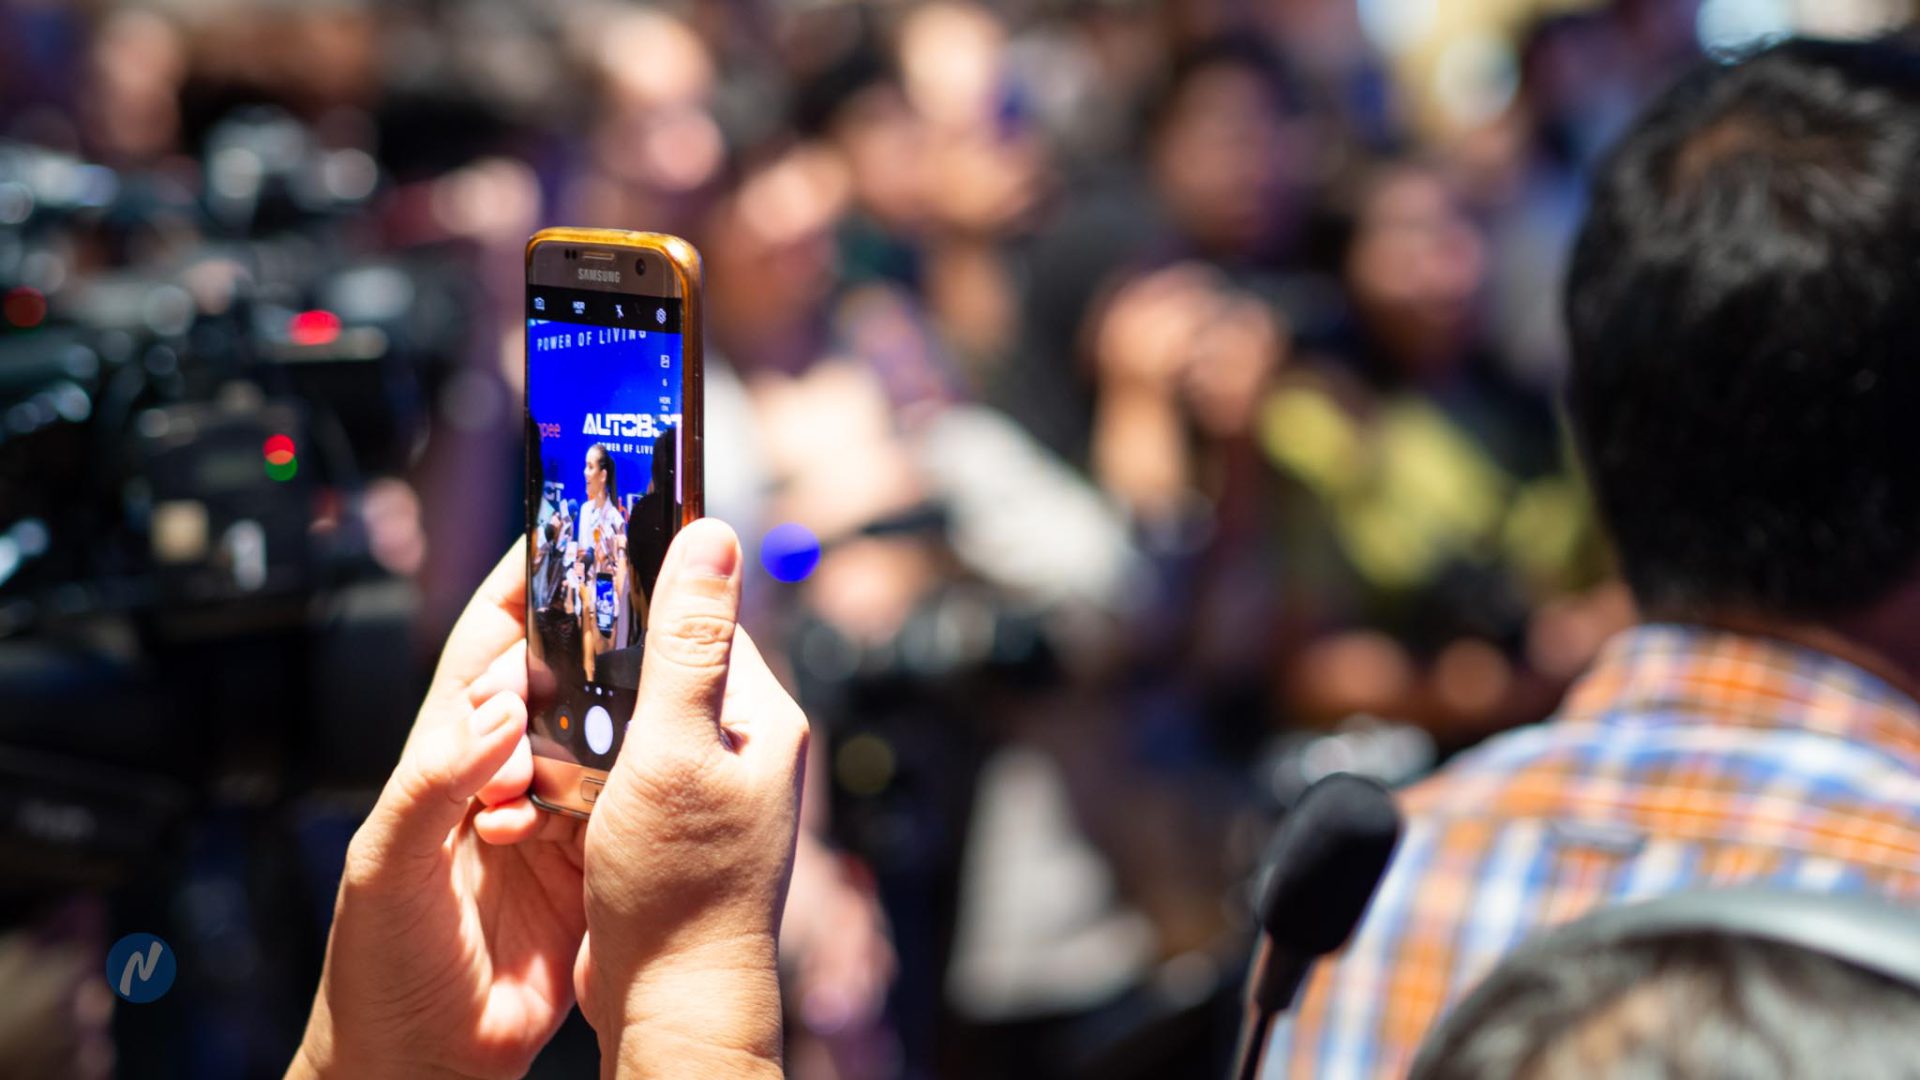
[(198, 376)]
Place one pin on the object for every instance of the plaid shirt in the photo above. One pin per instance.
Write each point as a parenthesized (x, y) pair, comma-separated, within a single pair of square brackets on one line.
[(1685, 758)]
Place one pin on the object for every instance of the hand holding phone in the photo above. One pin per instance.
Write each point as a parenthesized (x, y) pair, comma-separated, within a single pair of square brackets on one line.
[(425, 883), (679, 878), (690, 845)]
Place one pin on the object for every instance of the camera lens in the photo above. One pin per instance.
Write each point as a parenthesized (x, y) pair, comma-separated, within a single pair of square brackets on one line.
[(640, 265)]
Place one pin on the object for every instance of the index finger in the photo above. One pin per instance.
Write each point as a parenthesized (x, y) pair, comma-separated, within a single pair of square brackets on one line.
[(493, 620)]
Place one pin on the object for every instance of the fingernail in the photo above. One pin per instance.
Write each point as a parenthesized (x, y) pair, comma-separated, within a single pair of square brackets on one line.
[(711, 550)]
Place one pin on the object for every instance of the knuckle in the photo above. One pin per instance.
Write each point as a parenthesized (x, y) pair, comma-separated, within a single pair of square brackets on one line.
[(431, 778), (701, 641), (363, 862)]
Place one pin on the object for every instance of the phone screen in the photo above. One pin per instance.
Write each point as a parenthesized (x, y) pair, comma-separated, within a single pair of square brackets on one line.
[(605, 490)]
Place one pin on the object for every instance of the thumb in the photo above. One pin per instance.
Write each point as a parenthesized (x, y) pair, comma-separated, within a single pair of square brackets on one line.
[(441, 770), (696, 609)]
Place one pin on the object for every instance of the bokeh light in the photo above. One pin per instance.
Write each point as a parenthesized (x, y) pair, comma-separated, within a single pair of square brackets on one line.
[(282, 465), (1730, 26), (25, 308), (790, 552), (313, 328)]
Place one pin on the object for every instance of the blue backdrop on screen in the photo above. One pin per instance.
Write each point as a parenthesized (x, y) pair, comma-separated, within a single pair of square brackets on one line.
[(592, 384)]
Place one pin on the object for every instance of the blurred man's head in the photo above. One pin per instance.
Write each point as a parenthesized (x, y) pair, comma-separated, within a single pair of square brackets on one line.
[(654, 135), (1744, 307), (858, 107), (771, 257), (1415, 267), (1678, 1005), (1218, 145)]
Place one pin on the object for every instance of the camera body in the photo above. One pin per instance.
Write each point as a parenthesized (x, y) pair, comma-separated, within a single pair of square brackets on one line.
[(196, 389)]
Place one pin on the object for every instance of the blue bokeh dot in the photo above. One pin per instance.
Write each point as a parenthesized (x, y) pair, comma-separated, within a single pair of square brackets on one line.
[(790, 552)]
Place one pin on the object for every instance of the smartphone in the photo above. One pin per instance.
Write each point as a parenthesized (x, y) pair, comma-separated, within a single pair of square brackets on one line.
[(613, 472)]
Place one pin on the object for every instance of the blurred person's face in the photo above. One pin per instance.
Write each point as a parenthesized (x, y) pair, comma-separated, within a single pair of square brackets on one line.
[(1416, 269), (135, 71), (1217, 160), (981, 168), (656, 130), (950, 59), (672, 151), (649, 58), (772, 253), (884, 144)]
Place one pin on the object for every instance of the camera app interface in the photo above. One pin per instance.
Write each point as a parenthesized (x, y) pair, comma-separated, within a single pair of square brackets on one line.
[(603, 405)]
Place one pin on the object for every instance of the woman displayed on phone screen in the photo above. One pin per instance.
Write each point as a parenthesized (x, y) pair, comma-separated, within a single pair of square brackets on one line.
[(603, 529)]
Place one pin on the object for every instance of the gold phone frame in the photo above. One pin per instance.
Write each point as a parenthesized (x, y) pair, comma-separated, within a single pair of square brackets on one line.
[(568, 787)]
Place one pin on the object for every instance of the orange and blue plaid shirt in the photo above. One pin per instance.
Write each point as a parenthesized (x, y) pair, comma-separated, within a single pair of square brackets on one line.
[(1685, 758)]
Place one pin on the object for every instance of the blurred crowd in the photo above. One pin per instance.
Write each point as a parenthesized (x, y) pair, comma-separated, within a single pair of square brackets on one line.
[(1169, 383)]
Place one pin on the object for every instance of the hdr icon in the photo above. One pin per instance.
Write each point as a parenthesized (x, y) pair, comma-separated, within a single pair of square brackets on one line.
[(140, 968)]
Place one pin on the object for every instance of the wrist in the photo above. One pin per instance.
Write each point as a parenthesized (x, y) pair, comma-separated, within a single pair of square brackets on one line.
[(643, 1052), (714, 1012)]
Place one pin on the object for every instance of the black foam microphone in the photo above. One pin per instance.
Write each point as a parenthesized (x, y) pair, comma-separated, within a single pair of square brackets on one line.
[(1322, 866)]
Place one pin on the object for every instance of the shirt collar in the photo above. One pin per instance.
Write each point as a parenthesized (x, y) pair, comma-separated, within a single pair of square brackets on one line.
[(1676, 673)]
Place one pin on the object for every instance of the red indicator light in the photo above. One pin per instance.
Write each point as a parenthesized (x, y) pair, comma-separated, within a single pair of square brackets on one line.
[(313, 328), (278, 449), (25, 307)]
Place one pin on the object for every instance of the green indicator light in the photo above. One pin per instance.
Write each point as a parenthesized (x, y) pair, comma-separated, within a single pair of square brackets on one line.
[(283, 471)]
